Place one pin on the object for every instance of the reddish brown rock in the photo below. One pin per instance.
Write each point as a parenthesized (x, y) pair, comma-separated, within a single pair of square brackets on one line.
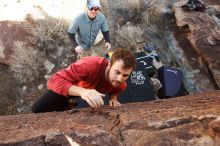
[(204, 35), (211, 2), (12, 31), (190, 120)]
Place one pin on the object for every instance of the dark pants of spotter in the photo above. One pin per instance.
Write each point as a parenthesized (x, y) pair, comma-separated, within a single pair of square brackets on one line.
[(52, 101)]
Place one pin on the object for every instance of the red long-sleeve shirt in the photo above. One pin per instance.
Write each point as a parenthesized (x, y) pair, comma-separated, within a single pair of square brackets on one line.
[(88, 72)]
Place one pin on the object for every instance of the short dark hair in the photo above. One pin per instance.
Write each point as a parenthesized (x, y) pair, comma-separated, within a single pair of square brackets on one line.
[(126, 56)]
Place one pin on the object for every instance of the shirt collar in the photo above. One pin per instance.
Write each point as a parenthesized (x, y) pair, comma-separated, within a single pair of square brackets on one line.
[(89, 20)]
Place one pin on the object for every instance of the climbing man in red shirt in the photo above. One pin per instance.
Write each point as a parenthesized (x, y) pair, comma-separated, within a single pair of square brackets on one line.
[(90, 78)]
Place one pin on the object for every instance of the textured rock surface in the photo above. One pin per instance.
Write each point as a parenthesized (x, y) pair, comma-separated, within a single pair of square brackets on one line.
[(190, 120), (204, 36), (12, 31)]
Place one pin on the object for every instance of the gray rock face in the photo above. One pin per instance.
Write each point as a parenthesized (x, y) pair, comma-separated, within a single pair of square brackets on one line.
[(133, 35), (49, 66)]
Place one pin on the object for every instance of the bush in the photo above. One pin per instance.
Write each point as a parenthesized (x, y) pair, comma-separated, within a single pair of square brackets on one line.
[(45, 38), (26, 63), (47, 34), (137, 10)]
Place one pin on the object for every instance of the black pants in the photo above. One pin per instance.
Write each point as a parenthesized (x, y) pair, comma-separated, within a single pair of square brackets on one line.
[(52, 101)]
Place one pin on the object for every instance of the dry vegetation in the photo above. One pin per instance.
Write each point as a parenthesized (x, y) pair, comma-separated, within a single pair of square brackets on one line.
[(136, 12), (47, 34), (45, 37), (26, 63)]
